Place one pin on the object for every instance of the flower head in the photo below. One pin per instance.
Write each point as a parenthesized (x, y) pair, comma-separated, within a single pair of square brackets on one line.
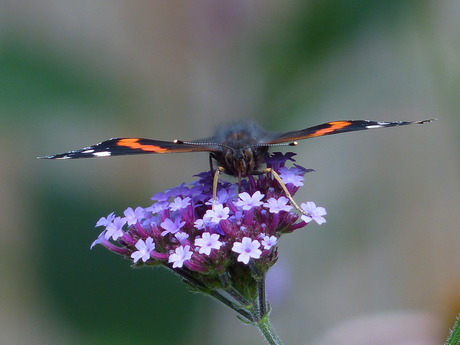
[(212, 244)]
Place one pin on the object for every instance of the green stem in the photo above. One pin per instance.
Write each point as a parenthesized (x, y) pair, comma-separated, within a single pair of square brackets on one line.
[(237, 296), (262, 298), (454, 337), (200, 286), (230, 304), (268, 332)]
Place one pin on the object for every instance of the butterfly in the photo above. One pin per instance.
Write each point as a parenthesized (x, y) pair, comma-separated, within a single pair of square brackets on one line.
[(239, 149)]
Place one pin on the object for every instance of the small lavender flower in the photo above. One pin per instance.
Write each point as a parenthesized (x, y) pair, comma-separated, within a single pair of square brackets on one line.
[(291, 175), (278, 205), (216, 214), (248, 249), (314, 213), (269, 242), (207, 242), (103, 221), (114, 229), (247, 201), (132, 216), (143, 249), (180, 255), (179, 203), (182, 237), (171, 227)]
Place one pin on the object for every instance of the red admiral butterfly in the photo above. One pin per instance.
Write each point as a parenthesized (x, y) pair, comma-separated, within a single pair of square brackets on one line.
[(239, 149)]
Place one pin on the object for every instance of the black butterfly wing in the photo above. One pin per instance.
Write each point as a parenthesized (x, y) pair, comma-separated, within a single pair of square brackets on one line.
[(132, 146), (335, 127)]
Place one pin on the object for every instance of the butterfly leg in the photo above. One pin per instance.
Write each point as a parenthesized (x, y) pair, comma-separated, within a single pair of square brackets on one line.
[(215, 181), (277, 177), (211, 157)]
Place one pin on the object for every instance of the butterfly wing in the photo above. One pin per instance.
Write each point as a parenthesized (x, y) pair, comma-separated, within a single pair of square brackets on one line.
[(336, 127), (131, 146)]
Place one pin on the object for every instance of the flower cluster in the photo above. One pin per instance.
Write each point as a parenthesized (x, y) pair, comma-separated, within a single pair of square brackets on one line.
[(212, 243)]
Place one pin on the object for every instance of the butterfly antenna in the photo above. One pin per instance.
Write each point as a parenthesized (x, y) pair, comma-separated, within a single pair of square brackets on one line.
[(292, 143), (200, 143)]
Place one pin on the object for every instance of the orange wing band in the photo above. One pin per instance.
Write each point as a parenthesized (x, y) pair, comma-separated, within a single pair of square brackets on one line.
[(134, 144), (334, 125)]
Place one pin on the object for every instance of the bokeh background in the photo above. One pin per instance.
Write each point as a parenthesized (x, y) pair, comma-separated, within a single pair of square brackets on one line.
[(73, 73)]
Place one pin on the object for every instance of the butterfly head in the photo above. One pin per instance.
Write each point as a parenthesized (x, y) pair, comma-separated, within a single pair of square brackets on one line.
[(240, 162)]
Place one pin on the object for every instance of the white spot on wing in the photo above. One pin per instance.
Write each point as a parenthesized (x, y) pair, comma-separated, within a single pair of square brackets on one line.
[(88, 151), (102, 154), (375, 126)]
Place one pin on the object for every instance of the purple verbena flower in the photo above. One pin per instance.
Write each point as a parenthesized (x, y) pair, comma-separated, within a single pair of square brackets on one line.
[(133, 216), (103, 221), (114, 229), (278, 205), (314, 213), (199, 224), (158, 207), (181, 236), (179, 203), (171, 227), (248, 249), (208, 242), (216, 214), (269, 241), (180, 255), (247, 201), (143, 249), (292, 175), (277, 159)]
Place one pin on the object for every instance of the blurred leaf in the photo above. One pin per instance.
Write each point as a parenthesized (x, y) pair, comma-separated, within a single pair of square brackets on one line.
[(32, 81), (316, 31)]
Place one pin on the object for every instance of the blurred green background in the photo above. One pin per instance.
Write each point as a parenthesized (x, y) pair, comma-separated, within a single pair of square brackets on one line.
[(73, 73)]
